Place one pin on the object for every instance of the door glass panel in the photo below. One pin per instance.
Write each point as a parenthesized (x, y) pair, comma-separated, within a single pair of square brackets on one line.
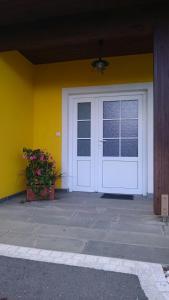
[(84, 111), (111, 109), (129, 147), (83, 129), (83, 147), (111, 148), (110, 128), (120, 122), (129, 109), (129, 128)]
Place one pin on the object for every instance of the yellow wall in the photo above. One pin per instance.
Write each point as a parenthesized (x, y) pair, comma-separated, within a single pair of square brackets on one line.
[(16, 119), (51, 78), (30, 105)]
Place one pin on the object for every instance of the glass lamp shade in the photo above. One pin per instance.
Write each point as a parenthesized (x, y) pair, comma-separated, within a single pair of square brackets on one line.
[(100, 64)]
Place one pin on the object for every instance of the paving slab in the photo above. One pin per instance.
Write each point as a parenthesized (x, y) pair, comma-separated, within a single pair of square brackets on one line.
[(97, 216), (18, 226), (81, 221), (55, 211), (136, 238), (71, 232), (105, 224), (166, 229), (44, 242), (18, 239), (137, 228), (139, 219), (126, 211), (140, 253), (59, 244), (77, 221), (49, 220)]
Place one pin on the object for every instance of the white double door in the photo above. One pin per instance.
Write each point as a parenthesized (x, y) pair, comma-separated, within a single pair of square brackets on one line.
[(106, 143)]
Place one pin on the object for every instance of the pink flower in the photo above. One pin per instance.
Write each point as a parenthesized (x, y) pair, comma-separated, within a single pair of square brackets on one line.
[(32, 157), (38, 172), (42, 157)]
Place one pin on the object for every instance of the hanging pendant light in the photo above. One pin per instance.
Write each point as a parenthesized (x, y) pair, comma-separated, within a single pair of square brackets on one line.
[(100, 64)]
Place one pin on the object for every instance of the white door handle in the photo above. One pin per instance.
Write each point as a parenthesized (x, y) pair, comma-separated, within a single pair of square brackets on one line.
[(102, 140)]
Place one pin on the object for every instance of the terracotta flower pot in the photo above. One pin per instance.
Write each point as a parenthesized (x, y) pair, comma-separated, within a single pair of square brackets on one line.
[(45, 194)]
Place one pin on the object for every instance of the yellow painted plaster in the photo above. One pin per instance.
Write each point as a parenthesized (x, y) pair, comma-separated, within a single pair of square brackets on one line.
[(30, 104), (51, 78), (16, 119)]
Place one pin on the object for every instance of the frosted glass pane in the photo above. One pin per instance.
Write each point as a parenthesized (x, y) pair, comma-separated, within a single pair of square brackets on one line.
[(129, 128), (110, 129), (111, 109), (129, 147), (129, 109), (84, 111), (83, 129), (111, 148), (83, 147)]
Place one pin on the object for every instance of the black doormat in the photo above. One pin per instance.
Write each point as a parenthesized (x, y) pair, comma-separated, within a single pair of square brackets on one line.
[(118, 196)]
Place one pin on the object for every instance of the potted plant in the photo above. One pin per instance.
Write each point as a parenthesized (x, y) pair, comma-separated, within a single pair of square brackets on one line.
[(40, 174)]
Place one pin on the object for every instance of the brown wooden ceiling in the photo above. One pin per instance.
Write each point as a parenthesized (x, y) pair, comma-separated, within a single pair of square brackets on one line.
[(21, 11), (50, 30)]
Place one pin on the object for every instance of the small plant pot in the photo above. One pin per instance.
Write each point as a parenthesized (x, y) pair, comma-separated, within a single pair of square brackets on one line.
[(45, 194)]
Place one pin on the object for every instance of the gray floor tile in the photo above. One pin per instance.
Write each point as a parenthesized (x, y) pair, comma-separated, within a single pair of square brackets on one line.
[(60, 244), (133, 238), (166, 229), (18, 239), (135, 227), (71, 232), (97, 216), (141, 253), (47, 219), (110, 227), (140, 219), (80, 221), (18, 226), (130, 212), (104, 224)]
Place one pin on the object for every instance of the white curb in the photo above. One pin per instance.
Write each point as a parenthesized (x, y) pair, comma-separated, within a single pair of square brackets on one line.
[(151, 275)]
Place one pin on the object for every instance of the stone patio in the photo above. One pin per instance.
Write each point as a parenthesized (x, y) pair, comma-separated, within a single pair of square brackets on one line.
[(85, 223)]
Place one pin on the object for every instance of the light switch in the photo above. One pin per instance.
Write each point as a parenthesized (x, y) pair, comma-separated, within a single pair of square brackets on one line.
[(57, 133)]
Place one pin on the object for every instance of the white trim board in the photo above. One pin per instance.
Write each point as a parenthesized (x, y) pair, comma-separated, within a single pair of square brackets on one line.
[(151, 276), (113, 89)]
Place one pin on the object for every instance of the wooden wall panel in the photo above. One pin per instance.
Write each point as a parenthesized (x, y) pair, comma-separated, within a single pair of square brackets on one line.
[(161, 111)]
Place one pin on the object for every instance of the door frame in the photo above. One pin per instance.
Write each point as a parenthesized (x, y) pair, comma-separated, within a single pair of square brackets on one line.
[(145, 89)]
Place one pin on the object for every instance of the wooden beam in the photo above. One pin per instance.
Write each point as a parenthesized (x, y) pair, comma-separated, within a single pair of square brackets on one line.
[(161, 112), (115, 47), (74, 30)]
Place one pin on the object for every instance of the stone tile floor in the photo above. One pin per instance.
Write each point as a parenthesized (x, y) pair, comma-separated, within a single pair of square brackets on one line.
[(85, 223)]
